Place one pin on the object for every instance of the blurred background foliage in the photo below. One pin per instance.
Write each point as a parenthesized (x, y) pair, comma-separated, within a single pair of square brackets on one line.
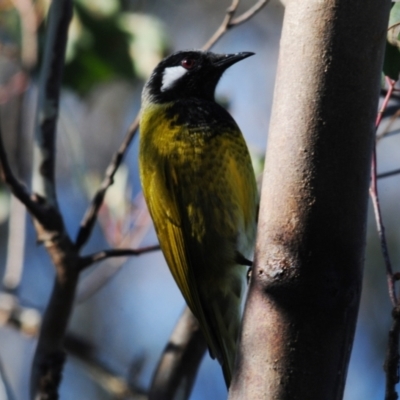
[(126, 309), (107, 43)]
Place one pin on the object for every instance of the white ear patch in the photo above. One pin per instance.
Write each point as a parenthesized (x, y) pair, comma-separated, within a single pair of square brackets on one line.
[(171, 75)]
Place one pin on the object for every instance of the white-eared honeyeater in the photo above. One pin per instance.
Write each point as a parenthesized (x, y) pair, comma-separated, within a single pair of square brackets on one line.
[(200, 188)]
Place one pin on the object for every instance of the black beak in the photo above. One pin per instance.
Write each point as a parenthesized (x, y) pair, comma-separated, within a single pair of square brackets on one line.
[(224, 61)]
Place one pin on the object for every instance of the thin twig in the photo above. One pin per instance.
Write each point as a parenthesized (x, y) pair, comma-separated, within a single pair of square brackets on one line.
[(388, 174), (373, 191), (376, 204), (249, 13), (86, 261), (140, 222), (386, 131), (387, 134), (391, 83), (229, 22), (224, 27), (90, 216)]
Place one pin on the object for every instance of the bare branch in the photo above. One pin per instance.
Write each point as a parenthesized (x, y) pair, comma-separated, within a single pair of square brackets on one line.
[(373, 191), (387, 132), (49, 92), (391, 83), (376, 204), (388, 174), (86, 261), (229, 22), (140, 222), (249, 13), (16, 187), (224, 27), (90, 216), (178, 366), (50, 356)]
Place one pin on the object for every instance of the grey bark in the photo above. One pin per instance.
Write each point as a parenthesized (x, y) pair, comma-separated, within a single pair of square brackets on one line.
[(302, 306)]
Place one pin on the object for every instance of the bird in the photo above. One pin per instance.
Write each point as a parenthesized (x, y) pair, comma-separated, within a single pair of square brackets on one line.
[(200, 189)]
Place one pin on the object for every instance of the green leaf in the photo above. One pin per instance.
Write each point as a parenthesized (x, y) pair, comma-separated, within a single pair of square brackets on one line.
[(394, 17), (106, 43), (391, 62), (98, 52), (393, 35)]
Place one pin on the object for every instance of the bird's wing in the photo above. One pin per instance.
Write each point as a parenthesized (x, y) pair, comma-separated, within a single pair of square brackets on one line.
[(165, 202)]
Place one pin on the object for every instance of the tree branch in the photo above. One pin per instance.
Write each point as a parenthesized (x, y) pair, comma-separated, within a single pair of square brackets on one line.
[(49, 356), (373, 191), (44, 214), (181, 358), (229, 22), (376, 204), (16, 187), (301, 310), (249, 13), (86, 261), (52, 68), (387, 132), (388, 174), (90, 216)]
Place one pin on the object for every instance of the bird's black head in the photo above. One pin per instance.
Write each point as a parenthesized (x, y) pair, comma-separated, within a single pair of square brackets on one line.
[(188, 74)]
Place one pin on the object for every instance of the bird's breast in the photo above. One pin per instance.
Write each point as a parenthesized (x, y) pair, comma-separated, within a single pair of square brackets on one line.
[(202, 153)]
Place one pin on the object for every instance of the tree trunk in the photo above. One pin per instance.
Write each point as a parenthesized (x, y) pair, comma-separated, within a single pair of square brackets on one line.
[(301, 311)]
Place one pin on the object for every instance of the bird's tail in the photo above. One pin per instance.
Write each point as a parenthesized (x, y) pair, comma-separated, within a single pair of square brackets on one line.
[(224, 314)]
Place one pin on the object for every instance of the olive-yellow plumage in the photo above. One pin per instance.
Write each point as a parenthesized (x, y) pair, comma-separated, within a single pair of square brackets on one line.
[(200, 188)]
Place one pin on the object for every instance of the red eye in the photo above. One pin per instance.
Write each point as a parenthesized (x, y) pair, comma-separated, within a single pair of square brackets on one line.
[(188, 63)]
